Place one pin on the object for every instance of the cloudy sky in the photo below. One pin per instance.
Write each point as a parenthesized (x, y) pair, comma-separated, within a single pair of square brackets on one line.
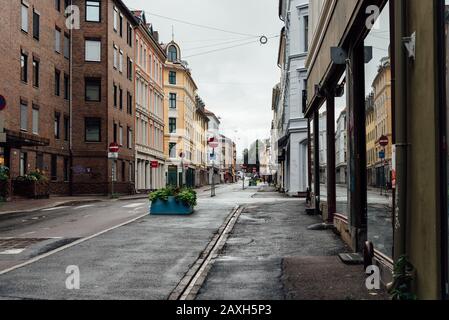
[(235, 83)]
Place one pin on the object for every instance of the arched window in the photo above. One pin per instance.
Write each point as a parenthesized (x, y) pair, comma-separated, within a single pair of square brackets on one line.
[(172, 54)]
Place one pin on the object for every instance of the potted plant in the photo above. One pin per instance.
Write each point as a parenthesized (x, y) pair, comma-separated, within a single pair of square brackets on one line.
[(5, 183), (170, 201), (34, 185)]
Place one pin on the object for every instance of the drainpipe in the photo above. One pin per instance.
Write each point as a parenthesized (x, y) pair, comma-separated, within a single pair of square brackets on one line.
[(400, 206), (71, 111)]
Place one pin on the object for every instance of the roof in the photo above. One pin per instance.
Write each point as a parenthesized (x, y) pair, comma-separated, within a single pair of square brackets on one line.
[(211, 114)]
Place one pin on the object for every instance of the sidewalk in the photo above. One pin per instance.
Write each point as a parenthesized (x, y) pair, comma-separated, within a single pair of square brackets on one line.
[(272, 255)]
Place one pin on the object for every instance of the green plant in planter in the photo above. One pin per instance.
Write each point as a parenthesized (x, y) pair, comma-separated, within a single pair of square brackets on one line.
[(187, 196), (4, 173), (33, 176), (403, 275)]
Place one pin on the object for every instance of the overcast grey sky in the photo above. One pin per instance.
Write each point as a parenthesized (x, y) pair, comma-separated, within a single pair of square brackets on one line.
[(236, 83)]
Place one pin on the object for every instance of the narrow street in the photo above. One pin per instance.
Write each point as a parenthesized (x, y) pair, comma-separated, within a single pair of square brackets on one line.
[(147, 258)]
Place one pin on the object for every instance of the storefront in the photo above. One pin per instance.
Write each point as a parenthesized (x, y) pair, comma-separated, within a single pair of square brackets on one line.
[(392, 200)]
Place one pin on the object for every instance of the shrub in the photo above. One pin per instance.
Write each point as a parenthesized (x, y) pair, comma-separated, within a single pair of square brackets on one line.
[(186, 195), (33, 176), (4, 173)]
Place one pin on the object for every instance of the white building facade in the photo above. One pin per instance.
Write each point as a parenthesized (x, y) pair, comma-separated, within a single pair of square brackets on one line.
[(293, 144)]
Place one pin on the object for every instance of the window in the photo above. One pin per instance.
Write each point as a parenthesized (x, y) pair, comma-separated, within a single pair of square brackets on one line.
[(120, 61), (115, 92), (35, 120), (93, 50), (115, 19), (130, 68), (57, 125), (58, 40), (23, 165), (115, 132), (172, 100), (23, 116), (172, 77), (121, 98), (54, 167), (93, 11), (129, 140), (129, 37), (35, 72), (93, 89), (172, 150), (92, 129), (57, 83), (129, 106), (24, 14), (115, 58), (172, 54), (36, 25), (66, 87), (66, 170), (66, 46), (24, 66), (121, 25), (306, 33), (172, 125), (40, 161), (66, 128), (120, 136), (58, 5)]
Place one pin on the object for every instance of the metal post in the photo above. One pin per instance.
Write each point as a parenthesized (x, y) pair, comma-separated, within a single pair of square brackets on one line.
[(331, 172), (113, 178), (316, 160)]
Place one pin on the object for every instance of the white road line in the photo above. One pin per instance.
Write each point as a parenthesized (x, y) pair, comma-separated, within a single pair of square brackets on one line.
[(27, 233), (84, 207), (56, 208), (12, 251), (134, 205), (75, 243)]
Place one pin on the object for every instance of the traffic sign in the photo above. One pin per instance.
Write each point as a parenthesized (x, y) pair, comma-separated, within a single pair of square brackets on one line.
[(213, 143), (114, 147), (2, 103), (384, 141), (113, 155), (154, 164)]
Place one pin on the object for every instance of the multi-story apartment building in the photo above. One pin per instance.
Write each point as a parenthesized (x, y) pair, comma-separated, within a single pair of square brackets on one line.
[(227, 165), (383, 121), (341, 161), (292, 57), (371, 141), (35, 67), (103, 97), (213, 156), (276, 123), (180, 108), (200, 142), (150, 126)]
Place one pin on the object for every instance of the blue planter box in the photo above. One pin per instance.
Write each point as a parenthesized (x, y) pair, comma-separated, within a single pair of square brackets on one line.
[(170, 207)]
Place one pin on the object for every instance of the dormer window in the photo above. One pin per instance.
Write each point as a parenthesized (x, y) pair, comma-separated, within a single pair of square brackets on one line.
[(172, 54)]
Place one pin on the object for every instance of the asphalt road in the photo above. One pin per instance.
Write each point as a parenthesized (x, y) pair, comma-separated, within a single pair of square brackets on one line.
[(145, 259)]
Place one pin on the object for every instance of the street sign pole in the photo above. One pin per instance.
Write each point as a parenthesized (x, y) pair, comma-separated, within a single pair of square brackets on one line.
[(113, 155), (212, 190)]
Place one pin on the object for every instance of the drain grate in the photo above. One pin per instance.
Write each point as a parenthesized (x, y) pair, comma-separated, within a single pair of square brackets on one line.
[(15, 244)]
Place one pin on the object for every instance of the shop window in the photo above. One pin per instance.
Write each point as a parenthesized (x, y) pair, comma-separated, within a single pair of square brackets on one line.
[(379, 136)]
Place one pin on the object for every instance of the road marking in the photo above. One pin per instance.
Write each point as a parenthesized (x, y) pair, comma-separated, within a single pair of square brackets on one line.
[(133, 205), (84, 207), (27, 233), (75, 243), (56, 208), (12, 251)]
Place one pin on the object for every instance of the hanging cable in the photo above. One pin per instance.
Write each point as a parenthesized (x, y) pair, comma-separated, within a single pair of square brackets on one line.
[(226, 48), (219, 44)]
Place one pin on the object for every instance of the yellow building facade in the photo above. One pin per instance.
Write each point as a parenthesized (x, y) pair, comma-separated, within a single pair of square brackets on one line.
[(383, 121), (180, 107)]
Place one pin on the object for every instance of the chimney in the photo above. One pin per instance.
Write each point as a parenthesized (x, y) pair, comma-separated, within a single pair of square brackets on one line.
[(156, 35)]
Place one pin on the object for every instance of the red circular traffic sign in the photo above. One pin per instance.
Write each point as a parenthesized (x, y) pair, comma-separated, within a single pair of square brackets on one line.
[(2, 103), (114, 147), (383, 141)]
